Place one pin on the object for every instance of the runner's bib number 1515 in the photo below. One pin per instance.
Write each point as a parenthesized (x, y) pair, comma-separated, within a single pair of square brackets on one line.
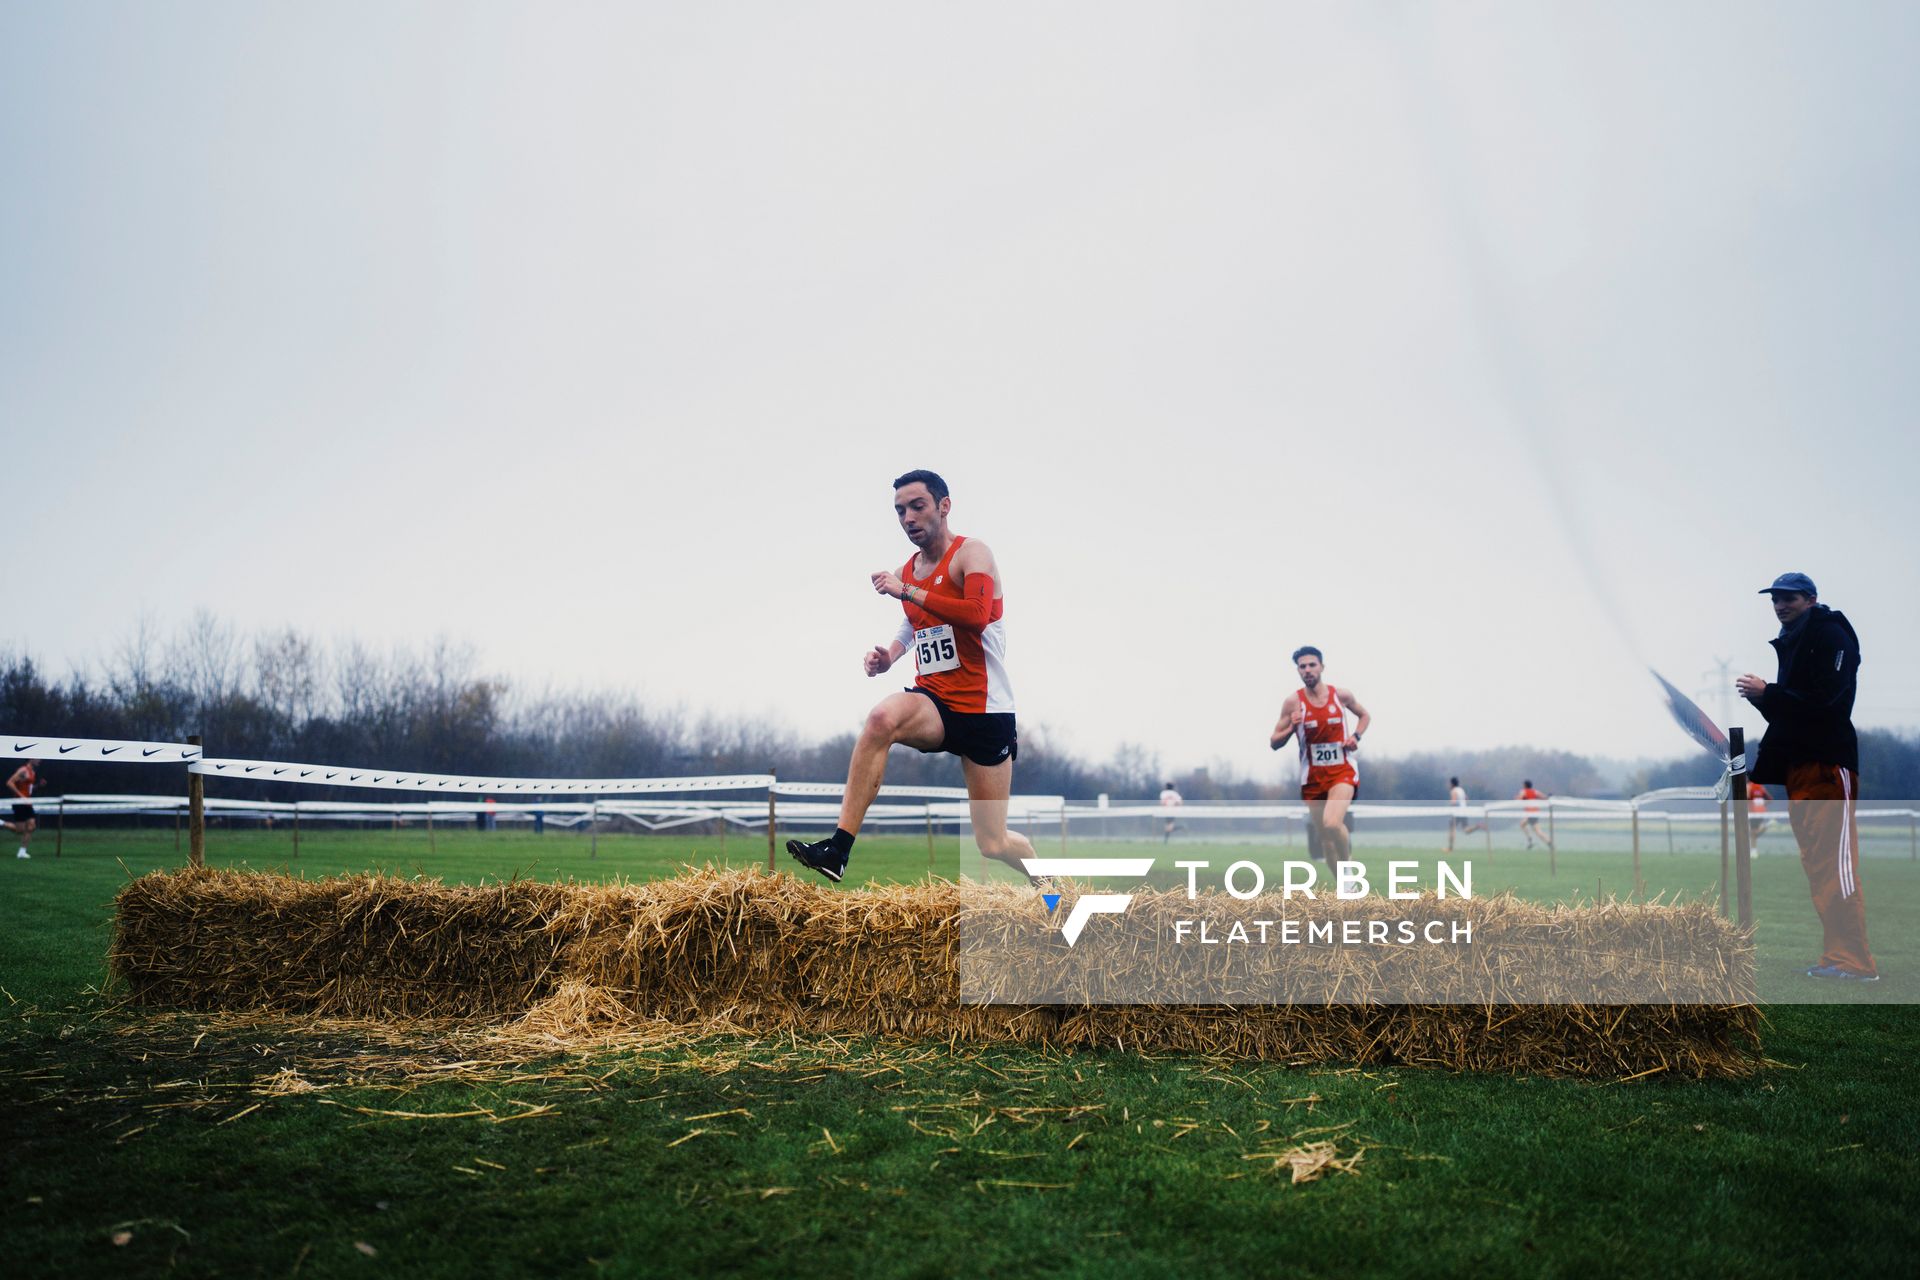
[(934, 651)]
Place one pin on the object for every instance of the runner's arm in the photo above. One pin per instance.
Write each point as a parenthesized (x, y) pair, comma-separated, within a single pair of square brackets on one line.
[(974, 610), (883, 656), (1352, 704), (1289, 715), (977, 575)]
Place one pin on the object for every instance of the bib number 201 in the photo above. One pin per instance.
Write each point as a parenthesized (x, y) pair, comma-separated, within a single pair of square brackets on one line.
[(1326, 754), (934, 651)]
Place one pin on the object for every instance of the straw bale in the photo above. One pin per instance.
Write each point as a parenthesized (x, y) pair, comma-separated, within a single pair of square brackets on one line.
[(770, 954)]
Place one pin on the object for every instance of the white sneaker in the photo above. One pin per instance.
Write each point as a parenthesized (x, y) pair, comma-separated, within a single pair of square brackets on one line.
[(23, 854)]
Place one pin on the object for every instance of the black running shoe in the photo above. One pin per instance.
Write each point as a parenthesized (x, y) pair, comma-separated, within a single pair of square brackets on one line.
[(821, 856)]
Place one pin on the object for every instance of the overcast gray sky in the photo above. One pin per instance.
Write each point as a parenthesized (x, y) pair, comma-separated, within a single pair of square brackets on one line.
[(1497, 349)]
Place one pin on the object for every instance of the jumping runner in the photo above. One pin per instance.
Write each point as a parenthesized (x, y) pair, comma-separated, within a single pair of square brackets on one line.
[(1328, 724), (960, 701)]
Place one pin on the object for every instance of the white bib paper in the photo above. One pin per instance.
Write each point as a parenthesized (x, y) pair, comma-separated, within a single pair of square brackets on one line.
[(934, 650), (1325, 754)]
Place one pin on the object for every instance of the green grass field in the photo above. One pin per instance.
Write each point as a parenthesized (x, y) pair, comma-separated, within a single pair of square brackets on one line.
[(145, 1144)]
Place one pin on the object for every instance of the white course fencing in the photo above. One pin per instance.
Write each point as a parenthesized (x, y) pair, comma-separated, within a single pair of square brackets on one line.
[(664, 804)]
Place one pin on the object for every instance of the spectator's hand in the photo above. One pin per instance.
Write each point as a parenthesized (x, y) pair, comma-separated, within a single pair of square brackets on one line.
[(1750, 686), (878, 660), (888, 585)]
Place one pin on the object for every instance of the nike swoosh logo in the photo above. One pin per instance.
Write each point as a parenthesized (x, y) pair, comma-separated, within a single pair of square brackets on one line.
[(107, 751), (306, 773), (74, 747), (151, 751), (22, 746), (254, 767), (278, 772)]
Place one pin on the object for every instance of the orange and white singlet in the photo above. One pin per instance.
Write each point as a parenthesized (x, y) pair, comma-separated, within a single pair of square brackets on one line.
[(33, 778), (964, 668), (1324, 761), (1529, 793)]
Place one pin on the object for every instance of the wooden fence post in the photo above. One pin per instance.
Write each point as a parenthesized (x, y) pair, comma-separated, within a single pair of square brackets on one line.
[(1742, 837), (1639, 885), (1725, 853), (773, 779), (1553, 845)]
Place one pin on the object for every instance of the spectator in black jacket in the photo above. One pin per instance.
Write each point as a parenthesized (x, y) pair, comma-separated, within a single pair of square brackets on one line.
[(1811, 749)]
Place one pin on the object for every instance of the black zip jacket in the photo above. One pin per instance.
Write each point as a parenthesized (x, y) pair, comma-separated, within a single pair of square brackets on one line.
[(1809, 705)]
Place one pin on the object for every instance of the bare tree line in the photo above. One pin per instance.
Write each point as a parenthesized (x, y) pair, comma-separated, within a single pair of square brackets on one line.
[(282, 694)]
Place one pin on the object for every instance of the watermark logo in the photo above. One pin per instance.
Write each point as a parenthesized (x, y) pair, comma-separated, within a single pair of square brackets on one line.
[(1087, 905)]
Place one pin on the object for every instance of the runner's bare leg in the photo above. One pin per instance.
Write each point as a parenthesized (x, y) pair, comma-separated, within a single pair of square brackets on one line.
[(988, 788), (1333, 818), (906, 718)]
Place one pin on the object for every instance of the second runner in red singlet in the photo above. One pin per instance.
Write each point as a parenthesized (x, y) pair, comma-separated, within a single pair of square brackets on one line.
[(1328, 723)]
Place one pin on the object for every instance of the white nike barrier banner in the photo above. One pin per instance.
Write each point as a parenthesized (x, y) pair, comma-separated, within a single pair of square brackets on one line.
[(31, 747), (320, 775)]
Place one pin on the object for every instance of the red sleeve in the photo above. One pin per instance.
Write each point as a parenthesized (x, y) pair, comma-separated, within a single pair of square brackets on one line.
[(973, 611)]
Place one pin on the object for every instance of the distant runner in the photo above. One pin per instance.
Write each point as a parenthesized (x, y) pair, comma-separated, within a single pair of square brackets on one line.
[(1530, 824), (960, 703), (1757, 819), (1170, 800), (1458, 825), (1328, 723), (21, 786)]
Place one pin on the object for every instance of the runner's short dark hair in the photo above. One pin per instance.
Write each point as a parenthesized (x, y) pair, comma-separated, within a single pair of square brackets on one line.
[(1453, 782), (1528, 783), (935, 485), (1306, 649)]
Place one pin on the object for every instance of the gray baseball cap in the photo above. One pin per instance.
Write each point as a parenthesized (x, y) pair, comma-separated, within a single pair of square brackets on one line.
[(1791, 582)]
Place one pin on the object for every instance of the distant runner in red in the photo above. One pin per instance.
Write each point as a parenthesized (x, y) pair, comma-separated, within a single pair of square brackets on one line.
[(1757, 819), (961, 702), (1530, 824), (20, 787), (1328, 724)]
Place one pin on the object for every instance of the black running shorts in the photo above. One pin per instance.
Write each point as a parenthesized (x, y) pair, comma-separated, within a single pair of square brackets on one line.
[(23, 813), (985, 737)]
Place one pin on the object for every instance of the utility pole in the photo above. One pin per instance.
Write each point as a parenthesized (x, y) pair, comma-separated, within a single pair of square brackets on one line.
[(1719, 689)]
